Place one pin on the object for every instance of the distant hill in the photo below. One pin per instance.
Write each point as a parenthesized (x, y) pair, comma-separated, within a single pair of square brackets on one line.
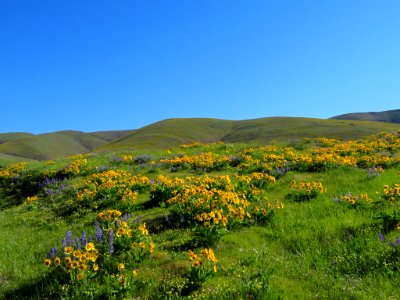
[(111, 134), (390, 116), (173, 132), (52, 145), (12, 136)]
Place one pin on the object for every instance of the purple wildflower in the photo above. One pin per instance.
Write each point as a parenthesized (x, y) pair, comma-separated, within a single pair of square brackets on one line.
[(83, 239), (69, 238), (52, 253), (78, 244), (381, 237), (110, 241), (126, 217), (99, 233), (398, 241)]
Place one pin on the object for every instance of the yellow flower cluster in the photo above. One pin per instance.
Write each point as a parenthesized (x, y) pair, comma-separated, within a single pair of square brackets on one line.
[(117, 183), (205, 160), (217, 202), (74, 167), (76, 261), (197, 260), (49, 163), (29, 200), (127, 158), (123, 229), (12, 170), (191, 145), (373, 151), (109, 215), (307, 187), (355, 200), (257, 179), (392, 193)]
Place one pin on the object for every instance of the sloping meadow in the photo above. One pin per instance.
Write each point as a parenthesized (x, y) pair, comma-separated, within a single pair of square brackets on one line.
[(318, 219)]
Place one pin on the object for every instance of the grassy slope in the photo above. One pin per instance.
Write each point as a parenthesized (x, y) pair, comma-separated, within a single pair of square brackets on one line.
[(52, 145), (110, 135), (292, 129), (172, 132), (12, 136), (392, 116), (6, 159)]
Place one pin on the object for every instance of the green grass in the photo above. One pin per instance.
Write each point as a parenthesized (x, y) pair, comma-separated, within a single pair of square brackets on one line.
[(316, 249), (6, 160), (25, 235)]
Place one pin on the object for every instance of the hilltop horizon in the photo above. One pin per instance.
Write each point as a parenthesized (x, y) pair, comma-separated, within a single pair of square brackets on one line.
[(345, 116)]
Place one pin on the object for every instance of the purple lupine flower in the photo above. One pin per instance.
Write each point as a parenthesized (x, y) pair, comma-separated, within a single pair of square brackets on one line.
[(381, 237), (52, 253), (126, 217), (69, 238), (49, 192), (64, 243), (139, 219), (336, 199), (83, 239), (77, 243), (110, 241), (398, 241), (99, 233)]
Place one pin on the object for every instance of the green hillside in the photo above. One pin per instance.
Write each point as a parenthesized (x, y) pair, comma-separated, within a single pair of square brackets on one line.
[(12, 136), (173, 132), (111, 134), (6, 160), (52, 145), (390, 116)]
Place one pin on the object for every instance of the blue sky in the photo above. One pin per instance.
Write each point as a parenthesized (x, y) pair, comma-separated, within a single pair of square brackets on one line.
[(108, 65)]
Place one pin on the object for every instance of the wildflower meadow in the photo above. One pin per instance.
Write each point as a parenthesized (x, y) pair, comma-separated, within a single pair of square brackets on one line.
[(314, 219)]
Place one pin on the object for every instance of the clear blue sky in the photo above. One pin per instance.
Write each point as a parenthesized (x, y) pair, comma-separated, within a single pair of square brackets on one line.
[(107, 65)]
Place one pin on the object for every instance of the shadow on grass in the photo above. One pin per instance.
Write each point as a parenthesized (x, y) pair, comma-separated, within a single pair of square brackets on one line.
[(43, 289)]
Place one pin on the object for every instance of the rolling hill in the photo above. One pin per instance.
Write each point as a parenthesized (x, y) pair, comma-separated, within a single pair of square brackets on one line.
[(12, 136), (52, 145), (111, 134), (173, 132), (390, 116)]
